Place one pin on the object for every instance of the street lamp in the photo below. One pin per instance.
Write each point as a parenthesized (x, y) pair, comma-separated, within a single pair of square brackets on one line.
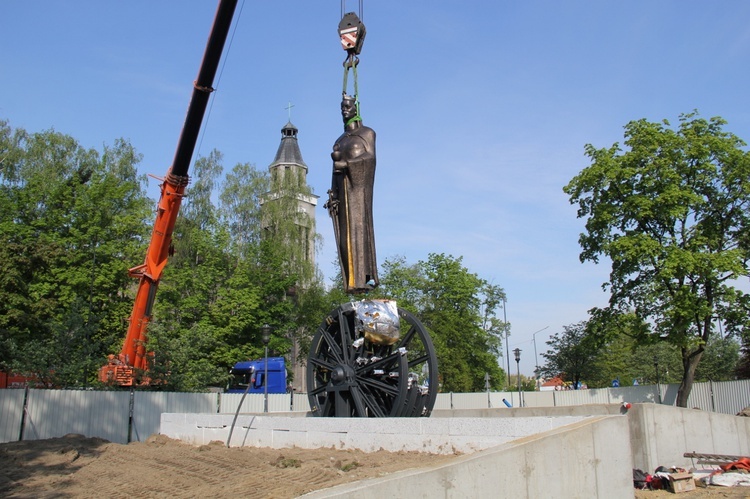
[(265, 331), (507, 333), (536, 358), (656, 368), (517, 354)]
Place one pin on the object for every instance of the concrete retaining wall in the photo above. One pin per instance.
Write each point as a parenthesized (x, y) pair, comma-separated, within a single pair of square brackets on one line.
[(660, 435), (590, 458)]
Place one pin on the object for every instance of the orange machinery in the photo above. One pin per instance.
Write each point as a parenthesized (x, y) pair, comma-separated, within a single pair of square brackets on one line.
[(129, 367)]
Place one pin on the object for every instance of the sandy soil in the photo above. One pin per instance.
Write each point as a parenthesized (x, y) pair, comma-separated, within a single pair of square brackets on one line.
[(75, 466)]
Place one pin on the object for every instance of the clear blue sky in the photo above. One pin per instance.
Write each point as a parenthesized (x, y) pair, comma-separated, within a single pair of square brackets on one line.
[(482, 109)]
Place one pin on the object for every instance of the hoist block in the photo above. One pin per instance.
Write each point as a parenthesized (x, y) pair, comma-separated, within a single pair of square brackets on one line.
[(352, 33)]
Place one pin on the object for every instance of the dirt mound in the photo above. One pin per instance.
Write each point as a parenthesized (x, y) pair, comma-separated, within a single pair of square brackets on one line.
[(76, 466)]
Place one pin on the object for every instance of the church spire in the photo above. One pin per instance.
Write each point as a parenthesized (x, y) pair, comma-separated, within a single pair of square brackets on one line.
[(288, 153)]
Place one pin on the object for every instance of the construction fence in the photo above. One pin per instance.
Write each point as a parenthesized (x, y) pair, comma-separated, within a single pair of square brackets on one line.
[(132, 416)]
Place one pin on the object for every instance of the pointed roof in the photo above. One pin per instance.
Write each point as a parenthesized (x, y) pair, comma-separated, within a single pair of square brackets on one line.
[(288, 153)]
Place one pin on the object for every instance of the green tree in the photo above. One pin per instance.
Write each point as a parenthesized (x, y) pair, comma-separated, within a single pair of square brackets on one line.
[(720, 360), (570, 354), (457, 307), (70, 217), (240, 206), (671, 213)]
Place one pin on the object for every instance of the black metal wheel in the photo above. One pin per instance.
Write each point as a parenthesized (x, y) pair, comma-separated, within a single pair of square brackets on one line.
[(350, 376)]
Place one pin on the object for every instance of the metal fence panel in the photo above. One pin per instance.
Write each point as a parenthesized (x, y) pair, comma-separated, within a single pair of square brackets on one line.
[(470, 400), (253, 403), (55, 413), (731, 396), (538, 399), (496, 399), (669, 393), (11, 410), (578, 397), (443, 401), (301, 403), (148, 406), (701, 397), (639, 394)]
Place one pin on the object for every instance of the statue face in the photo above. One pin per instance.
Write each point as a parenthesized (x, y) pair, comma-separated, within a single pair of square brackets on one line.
[(348, 109)]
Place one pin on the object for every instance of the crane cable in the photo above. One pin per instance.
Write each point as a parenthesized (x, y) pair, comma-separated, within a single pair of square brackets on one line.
[(218, 80), (343, 8)]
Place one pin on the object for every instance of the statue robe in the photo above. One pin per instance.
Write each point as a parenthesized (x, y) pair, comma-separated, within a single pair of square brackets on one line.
[(350, 207)]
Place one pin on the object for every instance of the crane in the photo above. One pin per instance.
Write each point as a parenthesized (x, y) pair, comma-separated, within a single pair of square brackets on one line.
[(129, 366)]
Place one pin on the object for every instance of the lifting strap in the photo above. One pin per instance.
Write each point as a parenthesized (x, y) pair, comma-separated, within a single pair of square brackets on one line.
[(352, 33)]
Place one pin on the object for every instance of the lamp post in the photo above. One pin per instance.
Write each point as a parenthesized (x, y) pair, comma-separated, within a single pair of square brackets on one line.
[(266, 334), (507, 333), (536, 358), (517, 354), (656, 368)]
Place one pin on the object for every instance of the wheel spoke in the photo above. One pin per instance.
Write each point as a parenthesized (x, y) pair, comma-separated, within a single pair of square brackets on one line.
[(419, 360), (333, 347), (406, 339), (379, 385), (384, 363), (316, 361), (344, 335), (357, 398)]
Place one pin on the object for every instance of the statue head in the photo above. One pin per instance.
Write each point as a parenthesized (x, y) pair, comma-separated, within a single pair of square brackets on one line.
[(349, 109)]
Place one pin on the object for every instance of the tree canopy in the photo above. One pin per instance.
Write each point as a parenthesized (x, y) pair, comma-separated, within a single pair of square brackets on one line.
[(581, 353), (70, 220), (670, 211), (571, 354), (458, 308)]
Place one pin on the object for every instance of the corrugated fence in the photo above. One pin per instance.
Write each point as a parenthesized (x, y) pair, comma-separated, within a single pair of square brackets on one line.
[(128, 416)]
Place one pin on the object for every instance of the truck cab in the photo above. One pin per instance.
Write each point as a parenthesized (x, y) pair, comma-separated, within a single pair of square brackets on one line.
[(252, 373)]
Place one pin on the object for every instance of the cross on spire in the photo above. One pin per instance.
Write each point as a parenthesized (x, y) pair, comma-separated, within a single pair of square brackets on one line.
[(289, 110)]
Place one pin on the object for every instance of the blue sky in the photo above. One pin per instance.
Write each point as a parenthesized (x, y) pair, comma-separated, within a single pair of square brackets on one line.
[(482, 109)]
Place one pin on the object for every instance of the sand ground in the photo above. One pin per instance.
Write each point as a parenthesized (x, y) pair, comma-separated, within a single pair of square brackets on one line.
[(74, 466)]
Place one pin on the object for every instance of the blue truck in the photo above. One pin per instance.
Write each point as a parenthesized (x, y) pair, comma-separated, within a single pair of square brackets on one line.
[(252, 373)]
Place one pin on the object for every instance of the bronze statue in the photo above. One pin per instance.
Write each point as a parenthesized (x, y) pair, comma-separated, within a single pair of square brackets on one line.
[(350, 200)]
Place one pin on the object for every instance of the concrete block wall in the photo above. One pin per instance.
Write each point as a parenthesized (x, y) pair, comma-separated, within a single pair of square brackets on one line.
[(432, 435), (589, 458), (660, 435)]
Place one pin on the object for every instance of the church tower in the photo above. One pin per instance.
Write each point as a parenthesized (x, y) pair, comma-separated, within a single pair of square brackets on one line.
[(289, 173), (289, 190)]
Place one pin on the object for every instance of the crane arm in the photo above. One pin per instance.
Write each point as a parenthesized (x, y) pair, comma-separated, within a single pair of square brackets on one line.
[(132, 360)]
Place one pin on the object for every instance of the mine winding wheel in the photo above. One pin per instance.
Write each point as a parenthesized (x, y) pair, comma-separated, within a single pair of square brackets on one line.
[(352, 374)]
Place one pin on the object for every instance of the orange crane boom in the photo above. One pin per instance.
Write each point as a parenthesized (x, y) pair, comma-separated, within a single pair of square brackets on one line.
[(127, 368)]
